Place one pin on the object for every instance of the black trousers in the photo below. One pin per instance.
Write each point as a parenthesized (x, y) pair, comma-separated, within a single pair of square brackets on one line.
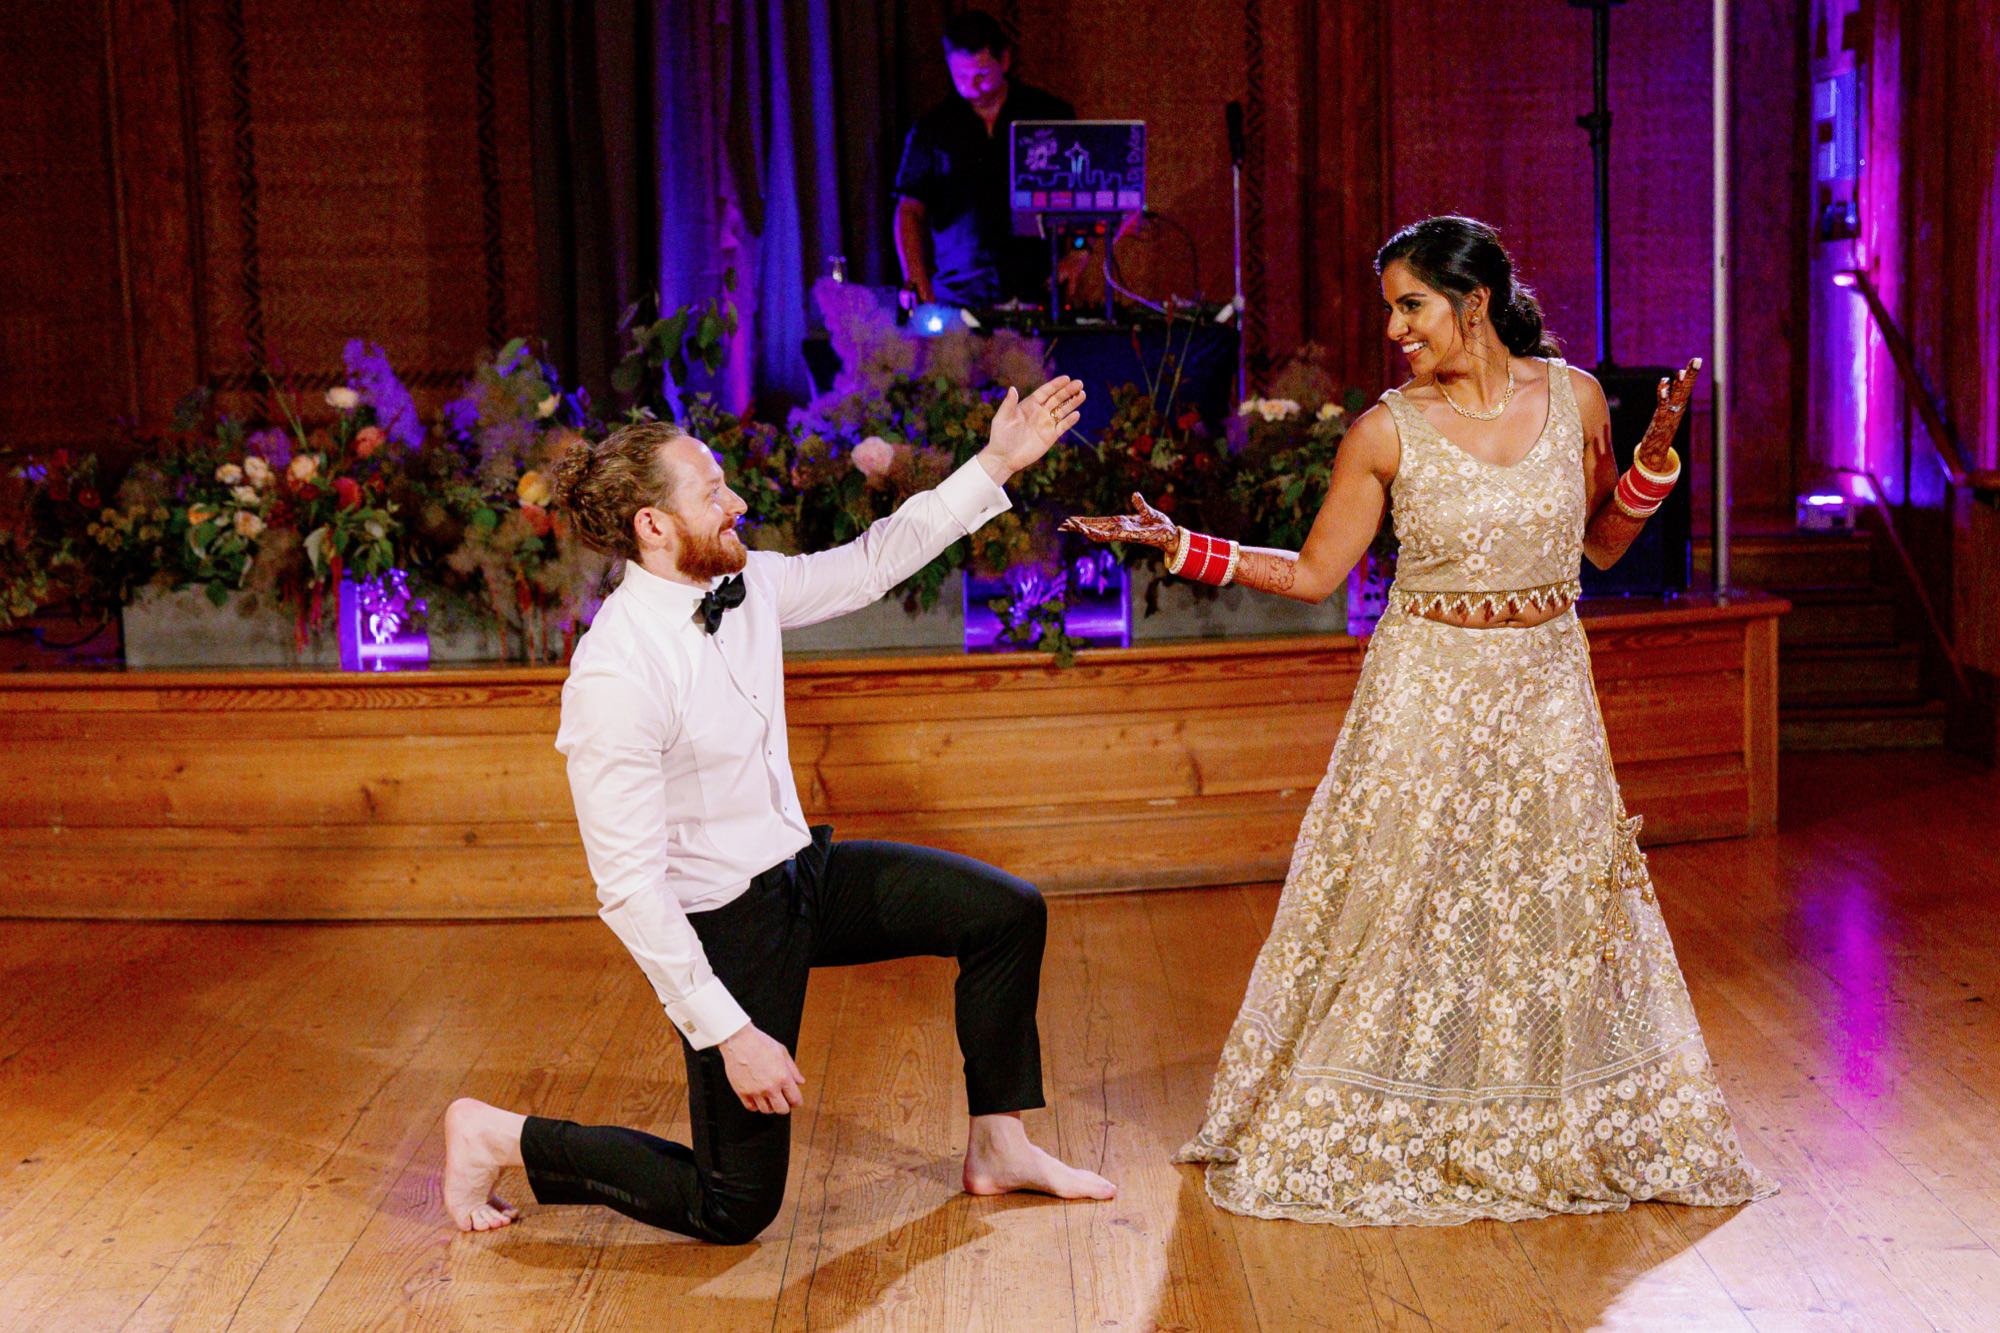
[(832, 905)]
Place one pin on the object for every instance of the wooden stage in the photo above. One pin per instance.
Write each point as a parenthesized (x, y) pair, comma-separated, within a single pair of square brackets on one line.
[(286, 795), (237, 1125)]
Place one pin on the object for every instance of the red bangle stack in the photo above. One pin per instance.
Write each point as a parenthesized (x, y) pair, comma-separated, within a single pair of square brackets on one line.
[(1640, 493), (1203, 558)]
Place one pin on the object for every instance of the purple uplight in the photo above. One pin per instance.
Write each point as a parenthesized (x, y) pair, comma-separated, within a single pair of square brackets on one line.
[(1094, 587), (382, 625), (1827, 511)]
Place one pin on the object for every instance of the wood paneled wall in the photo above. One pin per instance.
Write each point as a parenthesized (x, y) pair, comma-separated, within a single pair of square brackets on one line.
[(203, 191), (1364, 117), (275, 795), (1484, 104), (204, 188)]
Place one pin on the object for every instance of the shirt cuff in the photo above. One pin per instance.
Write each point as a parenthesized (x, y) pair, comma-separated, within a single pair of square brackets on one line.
[(708, 1016), (972, 497)]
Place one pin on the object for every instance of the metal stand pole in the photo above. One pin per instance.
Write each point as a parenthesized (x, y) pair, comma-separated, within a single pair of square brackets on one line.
[(1236, 302), (1718, 378), (1598, 122)]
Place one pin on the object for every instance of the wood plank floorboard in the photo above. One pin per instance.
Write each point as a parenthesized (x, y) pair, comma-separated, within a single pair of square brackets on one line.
[(224, 1126)]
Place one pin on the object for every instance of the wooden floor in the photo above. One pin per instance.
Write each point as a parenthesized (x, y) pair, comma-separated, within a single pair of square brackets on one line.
[(210, 1126)]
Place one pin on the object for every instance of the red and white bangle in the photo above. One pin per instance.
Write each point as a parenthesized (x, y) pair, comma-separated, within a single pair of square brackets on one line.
[(1641, 491), (1203, 558)]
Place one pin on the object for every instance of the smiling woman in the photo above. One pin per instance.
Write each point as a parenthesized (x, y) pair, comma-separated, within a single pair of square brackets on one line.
[(1468, 963)]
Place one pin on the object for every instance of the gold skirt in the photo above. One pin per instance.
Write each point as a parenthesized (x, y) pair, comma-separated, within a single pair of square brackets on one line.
[(1468, 1006)]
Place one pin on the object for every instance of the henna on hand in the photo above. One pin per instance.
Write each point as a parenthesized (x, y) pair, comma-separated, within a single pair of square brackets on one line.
[(1672, 397), (1144, 526)]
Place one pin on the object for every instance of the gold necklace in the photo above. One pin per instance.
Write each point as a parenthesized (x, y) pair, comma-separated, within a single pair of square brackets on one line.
[(1506, 397)]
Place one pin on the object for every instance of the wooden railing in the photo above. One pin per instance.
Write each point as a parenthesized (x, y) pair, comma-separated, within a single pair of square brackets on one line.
[(1943, 439), (1945, 446)]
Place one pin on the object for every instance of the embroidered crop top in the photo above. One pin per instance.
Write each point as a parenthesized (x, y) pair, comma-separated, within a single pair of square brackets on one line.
[(1476, 536)]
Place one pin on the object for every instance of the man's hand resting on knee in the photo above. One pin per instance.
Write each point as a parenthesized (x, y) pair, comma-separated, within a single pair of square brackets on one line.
[(761, 1071)]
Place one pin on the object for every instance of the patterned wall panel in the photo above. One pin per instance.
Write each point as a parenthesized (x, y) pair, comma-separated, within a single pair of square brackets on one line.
[(64, 354), (1484, 107), (362, 170)]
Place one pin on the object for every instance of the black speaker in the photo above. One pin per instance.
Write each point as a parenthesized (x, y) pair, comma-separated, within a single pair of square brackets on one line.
[(1659, 562)]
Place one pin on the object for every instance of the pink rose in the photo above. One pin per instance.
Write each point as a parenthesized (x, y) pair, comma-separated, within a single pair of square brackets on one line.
[(304, 468), (367, 440), (874, 456)]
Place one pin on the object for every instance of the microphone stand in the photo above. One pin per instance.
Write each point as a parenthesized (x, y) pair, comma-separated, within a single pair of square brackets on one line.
[(1598, 123), (1233, 117)]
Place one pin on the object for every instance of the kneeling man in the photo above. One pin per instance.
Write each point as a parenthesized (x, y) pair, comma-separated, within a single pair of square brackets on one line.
[(673, 725)]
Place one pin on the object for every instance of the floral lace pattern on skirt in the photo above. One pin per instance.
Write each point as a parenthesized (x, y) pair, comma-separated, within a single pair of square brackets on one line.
[(1468, 1006)]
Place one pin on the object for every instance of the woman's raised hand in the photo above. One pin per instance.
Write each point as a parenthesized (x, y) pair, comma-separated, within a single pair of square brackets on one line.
[(1673, 397), (1144, 526)]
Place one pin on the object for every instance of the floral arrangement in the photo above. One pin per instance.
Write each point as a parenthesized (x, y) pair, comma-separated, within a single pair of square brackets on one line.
[(283, 511), (510, 425), (905, 411), (47, 551)]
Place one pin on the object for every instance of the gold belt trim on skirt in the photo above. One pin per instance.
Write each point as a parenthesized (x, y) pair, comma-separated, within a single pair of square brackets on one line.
[(1422, 601)]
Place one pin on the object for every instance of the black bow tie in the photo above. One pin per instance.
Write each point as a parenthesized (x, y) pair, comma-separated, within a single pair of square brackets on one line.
[(725, 596)]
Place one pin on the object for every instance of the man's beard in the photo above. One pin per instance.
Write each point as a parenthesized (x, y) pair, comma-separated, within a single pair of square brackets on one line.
[(709, 557)]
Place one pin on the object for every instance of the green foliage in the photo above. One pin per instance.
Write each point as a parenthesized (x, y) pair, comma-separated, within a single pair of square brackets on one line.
[(661, 352), (287, 508)]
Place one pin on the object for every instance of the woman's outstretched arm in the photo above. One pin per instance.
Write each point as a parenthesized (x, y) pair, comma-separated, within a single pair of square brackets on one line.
[(1347, 521)]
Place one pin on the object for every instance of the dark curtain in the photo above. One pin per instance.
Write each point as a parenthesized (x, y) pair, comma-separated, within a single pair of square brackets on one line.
[(593, 138), (889, 68), (676, 142), (746, 178)]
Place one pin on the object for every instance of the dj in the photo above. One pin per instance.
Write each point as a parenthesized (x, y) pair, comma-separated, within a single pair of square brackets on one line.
[(953, 227)]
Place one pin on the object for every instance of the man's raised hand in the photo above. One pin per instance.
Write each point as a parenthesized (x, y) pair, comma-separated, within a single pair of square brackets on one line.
[(1025, 428)]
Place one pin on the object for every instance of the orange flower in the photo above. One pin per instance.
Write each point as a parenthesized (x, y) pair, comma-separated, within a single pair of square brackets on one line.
[(533, 489), (538, 519), (367, 440)]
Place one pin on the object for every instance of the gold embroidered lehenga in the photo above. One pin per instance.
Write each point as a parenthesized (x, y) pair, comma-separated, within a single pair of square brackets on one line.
[(1468, 1006)]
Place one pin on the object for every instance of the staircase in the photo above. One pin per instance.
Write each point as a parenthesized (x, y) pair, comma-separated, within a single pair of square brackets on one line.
[(1850, 663)]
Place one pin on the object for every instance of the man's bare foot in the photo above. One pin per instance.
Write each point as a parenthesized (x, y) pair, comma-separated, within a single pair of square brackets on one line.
[(999, 1159), (479, 1141)]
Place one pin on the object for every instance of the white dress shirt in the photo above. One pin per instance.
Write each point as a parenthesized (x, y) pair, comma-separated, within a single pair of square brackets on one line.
[(675, 738)]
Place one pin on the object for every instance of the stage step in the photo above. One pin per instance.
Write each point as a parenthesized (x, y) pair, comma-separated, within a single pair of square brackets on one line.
[(1797, 559), (1895, 726), (1838, 614), (1850, 674)]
